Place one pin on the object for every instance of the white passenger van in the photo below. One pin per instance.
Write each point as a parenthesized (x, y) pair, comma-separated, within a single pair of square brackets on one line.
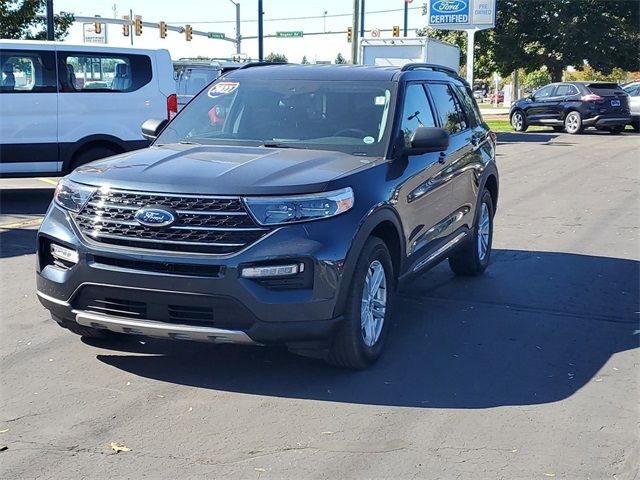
[(64, 105)]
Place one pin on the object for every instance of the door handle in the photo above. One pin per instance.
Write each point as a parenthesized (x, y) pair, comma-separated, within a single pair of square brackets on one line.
[(442, 158)]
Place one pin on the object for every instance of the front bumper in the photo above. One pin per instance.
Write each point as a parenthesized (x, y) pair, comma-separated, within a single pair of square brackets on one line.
[(242, 310)]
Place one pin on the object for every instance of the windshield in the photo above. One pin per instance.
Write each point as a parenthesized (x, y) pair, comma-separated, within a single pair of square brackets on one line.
[(346, 116)]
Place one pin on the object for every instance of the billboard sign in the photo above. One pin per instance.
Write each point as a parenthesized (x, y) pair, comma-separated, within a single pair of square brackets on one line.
[(462, 14), (89, 34)]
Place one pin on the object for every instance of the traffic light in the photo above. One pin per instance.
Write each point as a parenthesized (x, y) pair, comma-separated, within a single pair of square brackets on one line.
[(395, 32), (349, 34), (125, 26), (188, 32), (163, 29), (138, 25), (97, 28)]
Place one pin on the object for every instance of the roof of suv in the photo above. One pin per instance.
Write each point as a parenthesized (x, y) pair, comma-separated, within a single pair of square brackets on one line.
[(291, 71)]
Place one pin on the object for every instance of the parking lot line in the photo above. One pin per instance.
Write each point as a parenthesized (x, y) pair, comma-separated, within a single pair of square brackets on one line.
[(48, 180), (33, 222)]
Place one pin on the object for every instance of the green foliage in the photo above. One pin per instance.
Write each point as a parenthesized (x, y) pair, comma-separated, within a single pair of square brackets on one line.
[(304, 61), (557, 33), (535, 79), (27, 20), (587, 72), (340, 60), (275, 57)]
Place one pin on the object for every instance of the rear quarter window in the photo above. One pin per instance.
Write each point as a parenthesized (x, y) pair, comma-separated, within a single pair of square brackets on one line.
[(103, 72)]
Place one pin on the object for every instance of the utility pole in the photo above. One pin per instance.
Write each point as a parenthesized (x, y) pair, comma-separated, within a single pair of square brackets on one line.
[(362, 19), (50, 31), (238, 37), (354, 42), (406, 17), (131, 33), (260, 33)]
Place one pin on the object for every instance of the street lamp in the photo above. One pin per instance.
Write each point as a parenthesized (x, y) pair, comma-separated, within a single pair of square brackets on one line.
[(238, 38)]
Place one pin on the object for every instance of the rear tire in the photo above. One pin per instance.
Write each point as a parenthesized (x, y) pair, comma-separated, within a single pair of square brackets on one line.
[(91, 154), (360, 339), (573, 123), (474, 256), (519, 121), (616, 130)]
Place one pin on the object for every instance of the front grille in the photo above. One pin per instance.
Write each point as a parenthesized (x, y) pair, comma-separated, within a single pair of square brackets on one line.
[(204, 224), (169, 307), (184, 269)]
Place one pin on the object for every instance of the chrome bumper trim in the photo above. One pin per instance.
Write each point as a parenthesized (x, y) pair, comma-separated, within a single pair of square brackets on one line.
[(151, 328), (53, 300)]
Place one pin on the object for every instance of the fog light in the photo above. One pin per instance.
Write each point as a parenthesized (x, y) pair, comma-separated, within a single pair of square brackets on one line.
[(272, 271), (64, 254)]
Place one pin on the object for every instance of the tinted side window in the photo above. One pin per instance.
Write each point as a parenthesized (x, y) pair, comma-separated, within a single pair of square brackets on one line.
[(416, 112), (27, 71), (566, 90), (469, 106), (451, 118), (99, 72), (544, 92), (632, 90)]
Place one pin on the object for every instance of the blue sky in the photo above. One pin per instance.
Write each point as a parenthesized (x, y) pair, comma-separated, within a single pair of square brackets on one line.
[(219, 16)]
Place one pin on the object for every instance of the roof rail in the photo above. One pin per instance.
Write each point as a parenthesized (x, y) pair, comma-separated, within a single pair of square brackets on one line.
[(427, 66), (259, 64)]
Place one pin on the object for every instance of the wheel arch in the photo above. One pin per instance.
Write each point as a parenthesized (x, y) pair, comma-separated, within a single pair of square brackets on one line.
[(70, 152)]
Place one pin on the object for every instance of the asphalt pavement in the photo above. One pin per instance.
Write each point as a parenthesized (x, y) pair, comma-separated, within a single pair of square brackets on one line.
[(530, 371)]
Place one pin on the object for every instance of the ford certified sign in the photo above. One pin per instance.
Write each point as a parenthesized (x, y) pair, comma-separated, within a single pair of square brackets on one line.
[(449, 12), (155, 217)]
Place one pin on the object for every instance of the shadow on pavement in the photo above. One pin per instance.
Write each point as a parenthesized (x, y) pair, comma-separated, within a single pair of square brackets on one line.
[(531, 137), (14, 203), (535, 329), (26, 201), (19, 241)]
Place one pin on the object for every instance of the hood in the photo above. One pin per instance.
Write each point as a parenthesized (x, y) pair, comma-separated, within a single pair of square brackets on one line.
[(223, 170)]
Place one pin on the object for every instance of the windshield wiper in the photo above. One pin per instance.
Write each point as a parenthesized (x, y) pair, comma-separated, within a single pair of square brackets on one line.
[(276, 145), (187, 142)]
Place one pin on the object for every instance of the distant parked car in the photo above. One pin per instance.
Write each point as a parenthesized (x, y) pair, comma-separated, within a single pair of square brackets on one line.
[(573, 106), (479, 94), (500, 95), (633, 90)]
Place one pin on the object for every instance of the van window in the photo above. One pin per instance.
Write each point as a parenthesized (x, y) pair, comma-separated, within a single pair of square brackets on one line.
[(451, 118), (91, 72), (27, 72)]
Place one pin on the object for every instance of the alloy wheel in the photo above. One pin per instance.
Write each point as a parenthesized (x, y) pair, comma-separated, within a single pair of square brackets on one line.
[(374, 303), (484, 232)]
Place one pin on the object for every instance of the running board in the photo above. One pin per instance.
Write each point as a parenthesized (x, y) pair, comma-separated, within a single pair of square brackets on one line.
[(443, 249)]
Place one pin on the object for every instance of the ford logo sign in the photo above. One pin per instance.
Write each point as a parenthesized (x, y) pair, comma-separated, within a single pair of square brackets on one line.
[(155, 217), (449, 6)]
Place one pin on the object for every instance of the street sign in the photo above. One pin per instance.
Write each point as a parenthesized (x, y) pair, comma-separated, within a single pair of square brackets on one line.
[(462, 14), (289, 34), (90, 35), (216, 35)]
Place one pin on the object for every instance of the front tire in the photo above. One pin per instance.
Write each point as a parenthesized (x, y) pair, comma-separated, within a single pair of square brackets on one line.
[(361, 337), (616, 130), (519, 121), (573, 123), (474, 256)]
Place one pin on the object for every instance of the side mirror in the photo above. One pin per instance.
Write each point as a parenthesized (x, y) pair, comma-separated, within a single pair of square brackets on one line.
[(152, 128), (428, 139)]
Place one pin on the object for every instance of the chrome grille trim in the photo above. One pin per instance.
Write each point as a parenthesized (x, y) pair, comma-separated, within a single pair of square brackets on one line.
[(210, 224)]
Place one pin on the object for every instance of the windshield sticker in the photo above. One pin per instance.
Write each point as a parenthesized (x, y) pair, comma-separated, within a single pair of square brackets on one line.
[(380, 100), (223, 88), (368, 140)]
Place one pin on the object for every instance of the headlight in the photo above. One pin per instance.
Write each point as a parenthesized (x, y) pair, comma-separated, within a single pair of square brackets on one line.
[(72, 196), (299, 208)]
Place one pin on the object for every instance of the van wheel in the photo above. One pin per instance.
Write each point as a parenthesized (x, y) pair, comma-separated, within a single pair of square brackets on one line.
[(519, 121), (91, 154), (361, 337), (573, 123), (473, 257)]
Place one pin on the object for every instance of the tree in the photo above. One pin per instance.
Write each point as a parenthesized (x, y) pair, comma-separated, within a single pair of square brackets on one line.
[(305, 61), (535, 79), (27, 20), (275, 57), (559, 33), (340, 60)]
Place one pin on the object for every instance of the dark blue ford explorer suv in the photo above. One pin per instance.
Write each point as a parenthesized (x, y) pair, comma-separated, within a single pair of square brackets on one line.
[(283, 205)]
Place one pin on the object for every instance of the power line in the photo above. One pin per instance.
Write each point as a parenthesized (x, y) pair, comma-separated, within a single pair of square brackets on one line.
[(313, 17)]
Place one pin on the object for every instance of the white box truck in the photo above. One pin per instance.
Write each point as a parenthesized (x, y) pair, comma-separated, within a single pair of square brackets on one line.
[(400, 51)]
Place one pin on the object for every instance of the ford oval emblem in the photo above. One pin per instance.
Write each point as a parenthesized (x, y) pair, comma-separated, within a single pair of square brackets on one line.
[(449, 6), (155, 217)]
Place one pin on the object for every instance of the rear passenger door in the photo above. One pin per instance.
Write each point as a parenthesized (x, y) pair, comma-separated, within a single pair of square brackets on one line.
[(28, 112)]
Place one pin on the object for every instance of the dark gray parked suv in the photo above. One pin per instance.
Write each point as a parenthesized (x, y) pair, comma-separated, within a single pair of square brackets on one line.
[(283, 205)]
